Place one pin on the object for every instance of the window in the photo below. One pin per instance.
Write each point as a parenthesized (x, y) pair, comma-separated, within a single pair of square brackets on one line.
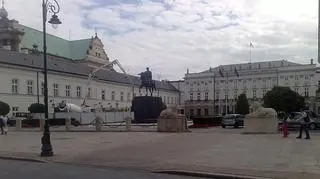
[(55, 90), (29, 87), (78, 91), (68, 90), (171, 100), (306, 77), (296, 89), (206, 97), (14, 86), (264, 82), (168, 99), (235, 94), (191, 96), (121, 96), (264, 91), (103, 94), (206, 112), (306, 92), (296, 77), (198, 96), (42, 88), (274, 81), (217, 95), (191, 112), (286, 78), (129, 97), (89, 92), (14, 110), (198, 112), (254, 93), (112, 95), (175, 100)]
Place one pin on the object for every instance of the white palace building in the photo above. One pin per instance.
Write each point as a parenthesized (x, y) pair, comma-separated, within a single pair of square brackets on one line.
[(69, 64), (215, 91)]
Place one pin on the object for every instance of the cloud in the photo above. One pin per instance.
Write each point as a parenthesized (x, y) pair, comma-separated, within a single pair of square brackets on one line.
[(170, 36)]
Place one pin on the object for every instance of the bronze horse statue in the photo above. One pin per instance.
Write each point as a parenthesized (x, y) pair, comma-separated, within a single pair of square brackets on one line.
[(148, 83)]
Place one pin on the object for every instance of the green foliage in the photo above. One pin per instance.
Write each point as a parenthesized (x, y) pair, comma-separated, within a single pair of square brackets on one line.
[(242, 106), (4, 108), (283, 99), (36, 108)]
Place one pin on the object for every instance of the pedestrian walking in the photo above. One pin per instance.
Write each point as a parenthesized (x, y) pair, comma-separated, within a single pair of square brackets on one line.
[(304, 124), (2, 125)]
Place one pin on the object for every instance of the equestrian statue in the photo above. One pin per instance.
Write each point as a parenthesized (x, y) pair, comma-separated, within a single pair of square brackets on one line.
[(147, 82)]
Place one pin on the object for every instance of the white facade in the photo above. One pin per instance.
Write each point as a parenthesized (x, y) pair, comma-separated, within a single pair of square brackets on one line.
[(208, 92), (19, 89)]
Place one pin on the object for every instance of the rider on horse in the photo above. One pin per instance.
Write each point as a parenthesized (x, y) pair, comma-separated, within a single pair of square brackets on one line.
[(146, 81)]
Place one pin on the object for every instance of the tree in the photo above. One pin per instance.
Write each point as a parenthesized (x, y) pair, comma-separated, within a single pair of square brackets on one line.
[(36, 108), (242, 106), (283, 99), (4, 108)]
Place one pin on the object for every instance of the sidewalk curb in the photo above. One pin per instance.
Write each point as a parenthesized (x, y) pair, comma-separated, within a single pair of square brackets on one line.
[(22, 159), (207, 175)]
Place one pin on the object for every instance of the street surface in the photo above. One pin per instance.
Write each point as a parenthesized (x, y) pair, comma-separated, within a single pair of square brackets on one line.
[(214, 150), (30, 170)]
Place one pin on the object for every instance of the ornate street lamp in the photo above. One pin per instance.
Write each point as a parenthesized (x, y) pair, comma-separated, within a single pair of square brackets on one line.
[(54, 8)]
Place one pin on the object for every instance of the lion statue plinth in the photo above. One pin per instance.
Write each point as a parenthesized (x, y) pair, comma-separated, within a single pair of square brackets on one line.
[(170, 121), (261, 120)]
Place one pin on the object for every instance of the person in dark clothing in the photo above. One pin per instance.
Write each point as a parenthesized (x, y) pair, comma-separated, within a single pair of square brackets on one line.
[(304, 124), (2, 125)]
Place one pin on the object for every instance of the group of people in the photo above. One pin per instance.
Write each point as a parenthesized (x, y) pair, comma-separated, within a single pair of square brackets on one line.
[(4, 125)]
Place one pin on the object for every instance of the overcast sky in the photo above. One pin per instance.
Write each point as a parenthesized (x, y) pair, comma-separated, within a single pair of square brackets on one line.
[(170, 36)]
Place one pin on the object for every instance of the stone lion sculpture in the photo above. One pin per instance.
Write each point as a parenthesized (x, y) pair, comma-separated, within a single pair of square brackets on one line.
[(259, 111)]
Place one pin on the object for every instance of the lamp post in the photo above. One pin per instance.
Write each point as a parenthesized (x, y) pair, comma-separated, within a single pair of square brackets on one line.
[(54, 8)]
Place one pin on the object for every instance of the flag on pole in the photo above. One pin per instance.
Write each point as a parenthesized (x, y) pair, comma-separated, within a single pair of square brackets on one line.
[(251, 45), (221, 73), (236, 71)]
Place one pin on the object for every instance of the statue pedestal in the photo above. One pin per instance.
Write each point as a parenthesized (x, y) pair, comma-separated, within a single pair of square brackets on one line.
[(260, 125), (146, 108)]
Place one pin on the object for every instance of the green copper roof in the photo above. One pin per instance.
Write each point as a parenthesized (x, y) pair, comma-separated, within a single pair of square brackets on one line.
[(75, 50)]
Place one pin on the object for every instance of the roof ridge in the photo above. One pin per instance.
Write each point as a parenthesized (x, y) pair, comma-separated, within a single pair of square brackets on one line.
[(42, 32)]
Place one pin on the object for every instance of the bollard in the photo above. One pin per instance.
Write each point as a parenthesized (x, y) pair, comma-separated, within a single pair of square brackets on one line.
[(128, 123), (98, 124), (41, 121), (18, 124), (68, 124)]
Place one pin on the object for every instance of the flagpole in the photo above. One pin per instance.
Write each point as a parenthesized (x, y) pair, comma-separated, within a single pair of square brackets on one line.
[(226, 96), (250, 51)]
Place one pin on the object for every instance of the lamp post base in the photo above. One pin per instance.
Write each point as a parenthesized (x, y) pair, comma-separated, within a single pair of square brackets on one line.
[(46, 149)]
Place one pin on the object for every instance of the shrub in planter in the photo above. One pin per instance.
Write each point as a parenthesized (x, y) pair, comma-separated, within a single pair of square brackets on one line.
[(36, 108), (4, 108)]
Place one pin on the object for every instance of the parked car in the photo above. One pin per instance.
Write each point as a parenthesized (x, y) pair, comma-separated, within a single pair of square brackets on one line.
[(235, 120), (294, 120)]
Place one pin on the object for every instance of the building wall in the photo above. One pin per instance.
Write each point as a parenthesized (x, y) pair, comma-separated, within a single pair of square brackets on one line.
[(208, 89), (22, 100)]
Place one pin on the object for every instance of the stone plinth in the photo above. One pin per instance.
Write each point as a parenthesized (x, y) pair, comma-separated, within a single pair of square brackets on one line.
[(178, 124), (146, 108), (260, 125)]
